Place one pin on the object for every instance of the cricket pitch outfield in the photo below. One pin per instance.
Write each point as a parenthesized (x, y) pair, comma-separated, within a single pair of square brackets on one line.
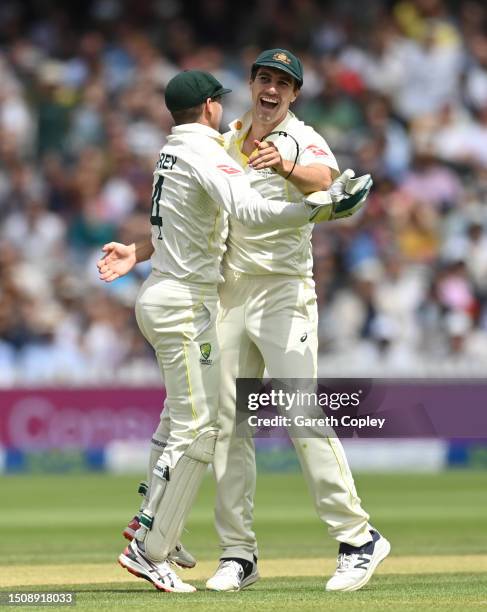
[(62, 533)]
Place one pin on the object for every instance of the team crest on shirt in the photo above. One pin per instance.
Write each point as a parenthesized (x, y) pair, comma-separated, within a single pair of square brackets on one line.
[(281, 57), (205, 350)]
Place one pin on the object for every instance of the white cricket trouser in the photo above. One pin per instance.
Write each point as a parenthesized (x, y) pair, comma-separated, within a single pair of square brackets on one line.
[(178, 319), (262, 322)]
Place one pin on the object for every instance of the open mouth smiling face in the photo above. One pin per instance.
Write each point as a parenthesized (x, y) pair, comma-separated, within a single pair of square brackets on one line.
[(272, 92), (268, 102)]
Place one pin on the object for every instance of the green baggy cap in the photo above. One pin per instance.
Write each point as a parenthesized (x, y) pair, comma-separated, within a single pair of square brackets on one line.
[(282, 60), (190, 88)]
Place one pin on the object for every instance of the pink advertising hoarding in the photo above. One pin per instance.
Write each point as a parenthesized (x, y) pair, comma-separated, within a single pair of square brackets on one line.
[(42, 419)]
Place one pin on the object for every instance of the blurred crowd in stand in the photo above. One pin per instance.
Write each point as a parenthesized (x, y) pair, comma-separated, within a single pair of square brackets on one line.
[(398, 89)]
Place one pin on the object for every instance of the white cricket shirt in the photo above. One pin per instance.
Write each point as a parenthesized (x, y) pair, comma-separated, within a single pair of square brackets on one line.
[(196, 186), (276, 251)]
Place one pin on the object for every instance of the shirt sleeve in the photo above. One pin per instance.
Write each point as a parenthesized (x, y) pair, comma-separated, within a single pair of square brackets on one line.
[(227, 185), (315, 150)]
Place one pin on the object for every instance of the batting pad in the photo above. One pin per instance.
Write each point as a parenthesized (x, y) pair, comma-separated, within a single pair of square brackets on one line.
[(158, 444), (179, 495)]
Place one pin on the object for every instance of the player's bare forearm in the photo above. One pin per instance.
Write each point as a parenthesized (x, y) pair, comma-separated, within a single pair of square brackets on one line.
[(143, 250), (119, 259), (315, 177)]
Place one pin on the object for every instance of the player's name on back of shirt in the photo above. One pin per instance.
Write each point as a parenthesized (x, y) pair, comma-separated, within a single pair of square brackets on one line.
[(166, 161)]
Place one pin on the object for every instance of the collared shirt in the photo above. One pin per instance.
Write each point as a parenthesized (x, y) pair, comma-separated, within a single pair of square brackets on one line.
[(278, 251), (196, 186)]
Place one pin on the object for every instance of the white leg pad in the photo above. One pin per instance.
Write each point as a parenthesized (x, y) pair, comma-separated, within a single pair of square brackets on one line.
[(156, 450), (178, 497), (158, 444)]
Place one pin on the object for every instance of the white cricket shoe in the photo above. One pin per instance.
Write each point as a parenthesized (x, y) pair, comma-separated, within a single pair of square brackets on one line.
[(161, 575), (179, 556), (356, 564), (230, 576)]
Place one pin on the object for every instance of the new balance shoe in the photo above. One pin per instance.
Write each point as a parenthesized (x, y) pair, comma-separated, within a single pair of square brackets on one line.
[(161, 575), (179, 556), (356, 564), (233, 575)]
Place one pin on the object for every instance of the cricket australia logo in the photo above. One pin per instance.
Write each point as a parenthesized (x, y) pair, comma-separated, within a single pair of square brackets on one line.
[(205, 350), (281, 57)]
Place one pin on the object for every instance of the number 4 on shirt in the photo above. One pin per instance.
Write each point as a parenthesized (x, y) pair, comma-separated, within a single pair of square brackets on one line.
[(155, 217)]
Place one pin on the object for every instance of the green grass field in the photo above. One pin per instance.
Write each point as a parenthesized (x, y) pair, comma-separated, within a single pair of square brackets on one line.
[(63, 533)]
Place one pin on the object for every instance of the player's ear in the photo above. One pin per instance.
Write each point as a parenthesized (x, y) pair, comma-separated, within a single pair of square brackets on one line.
[(207, 107), (296, 93)]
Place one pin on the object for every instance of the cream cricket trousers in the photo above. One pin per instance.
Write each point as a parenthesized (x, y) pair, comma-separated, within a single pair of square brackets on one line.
[(178, 319), (271, 321)]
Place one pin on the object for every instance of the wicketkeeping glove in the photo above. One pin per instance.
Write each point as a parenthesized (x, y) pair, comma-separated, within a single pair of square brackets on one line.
[(344, 198)]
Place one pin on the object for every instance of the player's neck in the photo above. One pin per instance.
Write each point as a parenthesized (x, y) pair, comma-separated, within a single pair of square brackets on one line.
[(258, 131)]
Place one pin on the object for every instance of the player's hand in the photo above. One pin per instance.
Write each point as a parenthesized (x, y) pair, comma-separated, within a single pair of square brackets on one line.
[(345, 197), (118, 260), (267, 156)]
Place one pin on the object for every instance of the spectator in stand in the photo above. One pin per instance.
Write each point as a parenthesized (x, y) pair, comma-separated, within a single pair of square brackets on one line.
[(398, 89)]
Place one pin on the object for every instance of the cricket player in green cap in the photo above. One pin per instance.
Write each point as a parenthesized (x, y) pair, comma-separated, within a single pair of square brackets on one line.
[(269, 320)]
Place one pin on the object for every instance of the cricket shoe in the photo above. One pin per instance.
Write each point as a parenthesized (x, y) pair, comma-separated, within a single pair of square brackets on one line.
[(233, 575), (178, 556), (356, 564), (161, 575), (129, 531)]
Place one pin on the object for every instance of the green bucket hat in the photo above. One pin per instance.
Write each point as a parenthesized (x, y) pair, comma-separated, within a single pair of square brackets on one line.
[(190, 88), (282, 60)]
